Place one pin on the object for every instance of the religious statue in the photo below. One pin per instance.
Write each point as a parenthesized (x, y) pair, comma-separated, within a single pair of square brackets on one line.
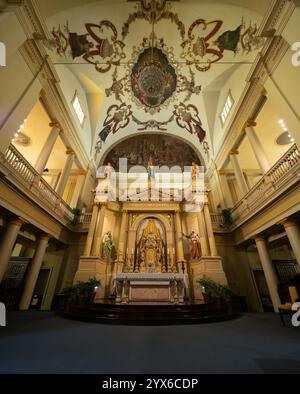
[(151, 170), (195, 249), (107, 245)]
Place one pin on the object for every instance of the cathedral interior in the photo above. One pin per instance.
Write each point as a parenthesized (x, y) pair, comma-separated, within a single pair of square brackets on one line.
[(150, 176)]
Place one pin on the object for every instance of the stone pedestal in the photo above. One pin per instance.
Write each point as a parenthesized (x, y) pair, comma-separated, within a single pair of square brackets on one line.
[(95, 267), (206, 267)]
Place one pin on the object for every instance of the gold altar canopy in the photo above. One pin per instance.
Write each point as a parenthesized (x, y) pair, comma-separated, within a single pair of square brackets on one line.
[(150, 249)]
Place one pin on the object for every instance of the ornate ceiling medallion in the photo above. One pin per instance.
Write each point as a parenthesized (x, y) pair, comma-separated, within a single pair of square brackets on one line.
[(153, 79)]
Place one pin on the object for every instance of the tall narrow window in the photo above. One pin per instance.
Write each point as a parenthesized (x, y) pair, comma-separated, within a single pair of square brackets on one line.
[(78, 109), (227, 108)]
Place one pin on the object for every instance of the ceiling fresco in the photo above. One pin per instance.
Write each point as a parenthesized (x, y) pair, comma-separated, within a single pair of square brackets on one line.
[(151, 86)]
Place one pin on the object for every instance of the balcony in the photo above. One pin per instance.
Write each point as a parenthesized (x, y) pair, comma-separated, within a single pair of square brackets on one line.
[(284, 175), (24, 177)]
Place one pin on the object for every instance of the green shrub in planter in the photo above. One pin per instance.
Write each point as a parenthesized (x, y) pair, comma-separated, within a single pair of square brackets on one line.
[(217, 289)]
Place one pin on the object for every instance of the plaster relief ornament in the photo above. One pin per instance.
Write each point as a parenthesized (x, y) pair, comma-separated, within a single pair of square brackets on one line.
[(118, 117), (187, 117), (202, 51), (153, 11), (152, 124), (99, 45)]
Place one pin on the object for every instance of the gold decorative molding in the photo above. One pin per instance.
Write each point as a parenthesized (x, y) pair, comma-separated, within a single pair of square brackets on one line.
[(55, 124), (233, 152), (70, 151), (81, 172), (222, 173)]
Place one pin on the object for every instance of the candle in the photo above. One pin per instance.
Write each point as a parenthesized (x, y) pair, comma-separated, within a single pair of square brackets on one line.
[(168, 251), (132, 251)]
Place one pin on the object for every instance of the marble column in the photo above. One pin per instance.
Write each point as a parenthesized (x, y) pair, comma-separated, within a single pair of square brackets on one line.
[(90, 237), (225, 189), (202, 233), (65, 173), (269, 270), (242, 184), (80, 178), (122, 240), (7, 243), (210, 231), (293, 234), (45, 153), (179, 241), (97, 246), (257, 147), (33, 272)]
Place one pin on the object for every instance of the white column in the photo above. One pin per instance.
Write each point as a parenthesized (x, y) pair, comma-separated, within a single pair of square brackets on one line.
[(98, 233), (257, 147), (90, 237), (179, 242), (242, 185), (202, 234), (269, 271), (122, 241), (33, 272), (210, 231), (65, 173), (78, 188), (7, 244), (45, 153), (293, 234), (225, 189)]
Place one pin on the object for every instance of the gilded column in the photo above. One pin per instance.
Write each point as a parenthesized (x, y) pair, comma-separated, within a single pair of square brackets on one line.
[(210, 231), (257, 147), (45, 153), (269, 270), (90, 237), (122, 241), (33, 272), (179, 241), (7, 244)]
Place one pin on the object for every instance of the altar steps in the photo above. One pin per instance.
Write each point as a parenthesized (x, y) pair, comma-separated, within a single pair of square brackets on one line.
[(152, 314)]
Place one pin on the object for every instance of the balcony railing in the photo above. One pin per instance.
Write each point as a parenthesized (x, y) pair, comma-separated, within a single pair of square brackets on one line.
[(275, 182), (21, 173)]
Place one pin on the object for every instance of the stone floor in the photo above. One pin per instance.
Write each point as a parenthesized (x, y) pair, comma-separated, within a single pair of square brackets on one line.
[(41, 342)]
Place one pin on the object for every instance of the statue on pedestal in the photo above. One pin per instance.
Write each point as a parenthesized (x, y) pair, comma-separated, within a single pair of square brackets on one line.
[(107, 245), (195, 249)]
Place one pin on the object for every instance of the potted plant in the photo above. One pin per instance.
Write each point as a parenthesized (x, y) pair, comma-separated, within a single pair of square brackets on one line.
[(76, 213), (82, 292), (227, 214), (216, 290)]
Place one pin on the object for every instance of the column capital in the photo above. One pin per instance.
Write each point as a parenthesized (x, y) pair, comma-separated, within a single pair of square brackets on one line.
[(81, 172), (288, 223), (233, 152), (250, 123), (70, 151), (222, 173), (45, 237), (56, 125), (17, 221), (258, 238)]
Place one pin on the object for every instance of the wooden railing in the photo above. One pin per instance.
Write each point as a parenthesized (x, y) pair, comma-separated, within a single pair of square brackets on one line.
[(25, 175), (278, 179), (85, 218)]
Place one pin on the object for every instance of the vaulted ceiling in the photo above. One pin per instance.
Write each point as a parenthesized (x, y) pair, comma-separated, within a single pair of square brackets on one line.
[(152, 66)]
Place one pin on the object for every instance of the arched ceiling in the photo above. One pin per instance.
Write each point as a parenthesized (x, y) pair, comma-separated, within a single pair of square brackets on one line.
[(165, 69)]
